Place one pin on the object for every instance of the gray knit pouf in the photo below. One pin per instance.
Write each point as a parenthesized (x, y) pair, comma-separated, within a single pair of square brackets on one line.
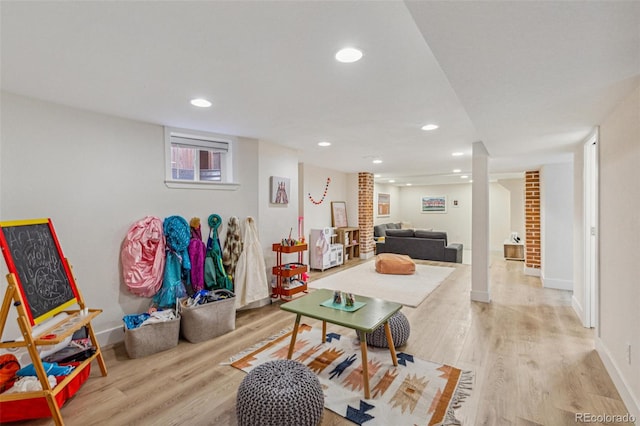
[(280, 393), (400, 330)]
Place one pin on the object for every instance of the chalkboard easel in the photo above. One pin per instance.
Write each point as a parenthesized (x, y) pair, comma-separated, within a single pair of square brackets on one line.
[(41, 285)]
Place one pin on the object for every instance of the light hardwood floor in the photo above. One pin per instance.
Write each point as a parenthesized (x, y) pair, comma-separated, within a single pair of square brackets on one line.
[(534, 363)]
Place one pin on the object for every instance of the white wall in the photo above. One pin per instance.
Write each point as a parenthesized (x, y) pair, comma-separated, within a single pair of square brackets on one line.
[(94, 175), (395, 212), (619, 247), (312, 181), (500, 214), (276, 220), (457, 221), (352, 192), (516, 193), (556, 225)]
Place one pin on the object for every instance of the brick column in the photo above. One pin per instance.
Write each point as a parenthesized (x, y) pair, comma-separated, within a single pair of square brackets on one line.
[(365, 214), (532, 220)]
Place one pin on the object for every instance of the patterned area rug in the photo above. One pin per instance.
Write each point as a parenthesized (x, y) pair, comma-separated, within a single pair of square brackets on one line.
[(416, 392)]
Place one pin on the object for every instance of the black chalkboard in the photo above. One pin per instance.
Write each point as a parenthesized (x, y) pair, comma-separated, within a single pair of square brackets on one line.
[(33, 254)]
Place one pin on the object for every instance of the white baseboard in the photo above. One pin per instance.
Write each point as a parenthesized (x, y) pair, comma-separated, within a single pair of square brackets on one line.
[(533, 272), (577, 307), (630, 400), (557, 284), (110, 336), (257, 304), (480, 296), (367, 255)]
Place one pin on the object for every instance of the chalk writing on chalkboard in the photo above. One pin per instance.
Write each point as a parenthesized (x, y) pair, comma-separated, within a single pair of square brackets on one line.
[(33, 254)]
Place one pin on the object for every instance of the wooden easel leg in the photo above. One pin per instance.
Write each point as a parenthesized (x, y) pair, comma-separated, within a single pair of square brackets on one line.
[(6, 305), (94, 342), (92, 335), (55, 410)]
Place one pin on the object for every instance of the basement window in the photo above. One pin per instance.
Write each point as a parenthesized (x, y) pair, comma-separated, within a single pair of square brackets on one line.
[(199, 160)]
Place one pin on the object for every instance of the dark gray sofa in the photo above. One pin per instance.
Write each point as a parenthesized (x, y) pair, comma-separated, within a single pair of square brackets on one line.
[(381, 230), (420, 244)]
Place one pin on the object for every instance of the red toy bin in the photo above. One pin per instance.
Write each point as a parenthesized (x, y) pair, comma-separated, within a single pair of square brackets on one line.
[(37, 408)]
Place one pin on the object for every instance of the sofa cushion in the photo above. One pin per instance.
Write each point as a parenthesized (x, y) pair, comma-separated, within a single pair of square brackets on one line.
[(394, 225), (399, 232), (433, 235), (379, 230)]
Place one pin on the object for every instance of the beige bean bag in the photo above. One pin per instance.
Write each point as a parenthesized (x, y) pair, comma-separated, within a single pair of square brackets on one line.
[(395, 264)]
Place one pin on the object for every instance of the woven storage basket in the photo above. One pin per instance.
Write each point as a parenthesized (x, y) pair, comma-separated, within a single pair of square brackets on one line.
[(209, 320), (151, 338)]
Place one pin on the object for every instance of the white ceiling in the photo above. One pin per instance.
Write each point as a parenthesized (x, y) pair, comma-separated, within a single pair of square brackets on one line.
[(529, 79)]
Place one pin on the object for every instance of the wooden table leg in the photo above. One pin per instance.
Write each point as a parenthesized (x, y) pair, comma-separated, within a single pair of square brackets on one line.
[(294, 334), (392, 348), (365, 364), (324, 331)]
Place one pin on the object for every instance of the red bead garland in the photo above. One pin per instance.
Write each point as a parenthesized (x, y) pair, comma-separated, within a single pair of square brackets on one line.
[(326, 188)]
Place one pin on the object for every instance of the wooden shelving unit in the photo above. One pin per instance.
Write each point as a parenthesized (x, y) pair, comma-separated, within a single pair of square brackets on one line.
[(288, 271), (350, 238)]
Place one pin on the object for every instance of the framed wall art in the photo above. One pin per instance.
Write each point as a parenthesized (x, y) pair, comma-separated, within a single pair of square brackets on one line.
[(339, 214), (384, 205), (434, 204)]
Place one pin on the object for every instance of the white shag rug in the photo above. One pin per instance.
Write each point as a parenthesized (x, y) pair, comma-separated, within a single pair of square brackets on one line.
[(363, 280)]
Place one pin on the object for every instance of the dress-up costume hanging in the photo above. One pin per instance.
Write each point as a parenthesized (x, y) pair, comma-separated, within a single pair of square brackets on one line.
[(251, 277), (142, 256), (178, 265), (197, 250), (215, 277), (232, 247)]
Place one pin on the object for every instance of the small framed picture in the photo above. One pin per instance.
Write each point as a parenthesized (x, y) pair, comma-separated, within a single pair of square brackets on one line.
[(280, 188)]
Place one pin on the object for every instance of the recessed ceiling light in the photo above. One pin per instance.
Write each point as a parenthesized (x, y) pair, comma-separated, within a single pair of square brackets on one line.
[(348, 55), (199, 102), (409, 184), (376, 161), (392, 181), (457, 154), (456, 170), (464, 177), (324, 143), (430, 127), (376, 176)]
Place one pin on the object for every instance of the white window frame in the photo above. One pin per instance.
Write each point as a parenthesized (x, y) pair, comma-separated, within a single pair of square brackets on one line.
[(200, 139)]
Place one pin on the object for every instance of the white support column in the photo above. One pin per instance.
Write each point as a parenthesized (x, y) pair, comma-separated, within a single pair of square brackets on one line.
[(480, 225)]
